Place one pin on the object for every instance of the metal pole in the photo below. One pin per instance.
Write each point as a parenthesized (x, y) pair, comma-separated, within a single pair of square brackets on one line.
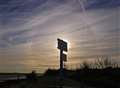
[(61, 68), (61, 63)]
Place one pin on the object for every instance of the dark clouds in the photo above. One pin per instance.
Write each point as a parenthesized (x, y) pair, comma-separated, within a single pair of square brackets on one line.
[(97, 4)]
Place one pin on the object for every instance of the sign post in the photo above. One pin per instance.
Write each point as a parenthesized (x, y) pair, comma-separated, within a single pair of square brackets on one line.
[(62, 46)]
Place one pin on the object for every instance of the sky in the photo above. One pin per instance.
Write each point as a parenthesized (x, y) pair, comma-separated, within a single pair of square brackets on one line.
[(29, 30)]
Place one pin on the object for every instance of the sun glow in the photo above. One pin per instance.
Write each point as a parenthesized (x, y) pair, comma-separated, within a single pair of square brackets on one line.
[(68, 42)]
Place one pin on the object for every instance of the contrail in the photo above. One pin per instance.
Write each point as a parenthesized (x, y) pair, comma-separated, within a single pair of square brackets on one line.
[(82, 6)]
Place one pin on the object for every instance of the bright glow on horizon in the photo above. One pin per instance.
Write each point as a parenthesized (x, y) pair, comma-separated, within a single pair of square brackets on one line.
[(68, 42)]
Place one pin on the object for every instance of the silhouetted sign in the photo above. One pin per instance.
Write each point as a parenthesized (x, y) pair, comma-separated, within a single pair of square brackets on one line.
[(64, 57), (62, 45)]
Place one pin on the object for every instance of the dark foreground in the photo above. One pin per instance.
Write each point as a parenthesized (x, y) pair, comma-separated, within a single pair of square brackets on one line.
[(80, 78), (42, 82)]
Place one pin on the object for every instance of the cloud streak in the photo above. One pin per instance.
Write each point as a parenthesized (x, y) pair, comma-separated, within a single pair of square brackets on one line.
[(32, 26)]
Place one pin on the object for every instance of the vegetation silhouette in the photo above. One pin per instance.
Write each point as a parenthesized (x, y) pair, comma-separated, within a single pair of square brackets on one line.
[(32, 76), (103, 73)]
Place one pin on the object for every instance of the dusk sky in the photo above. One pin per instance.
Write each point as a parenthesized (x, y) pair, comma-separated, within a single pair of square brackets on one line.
[(29, 30)]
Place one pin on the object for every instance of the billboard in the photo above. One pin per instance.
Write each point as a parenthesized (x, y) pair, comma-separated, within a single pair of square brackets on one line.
[(64, 57), (62, 45)]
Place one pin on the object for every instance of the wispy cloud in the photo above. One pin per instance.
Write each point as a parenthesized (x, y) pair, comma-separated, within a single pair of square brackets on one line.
[(32, 26)]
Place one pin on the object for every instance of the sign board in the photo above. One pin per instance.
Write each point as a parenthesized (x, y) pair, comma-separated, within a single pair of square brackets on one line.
[(64, 57), (62, 45)]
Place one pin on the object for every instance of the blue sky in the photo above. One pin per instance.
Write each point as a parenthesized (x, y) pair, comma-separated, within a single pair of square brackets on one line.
[(29, 30)]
